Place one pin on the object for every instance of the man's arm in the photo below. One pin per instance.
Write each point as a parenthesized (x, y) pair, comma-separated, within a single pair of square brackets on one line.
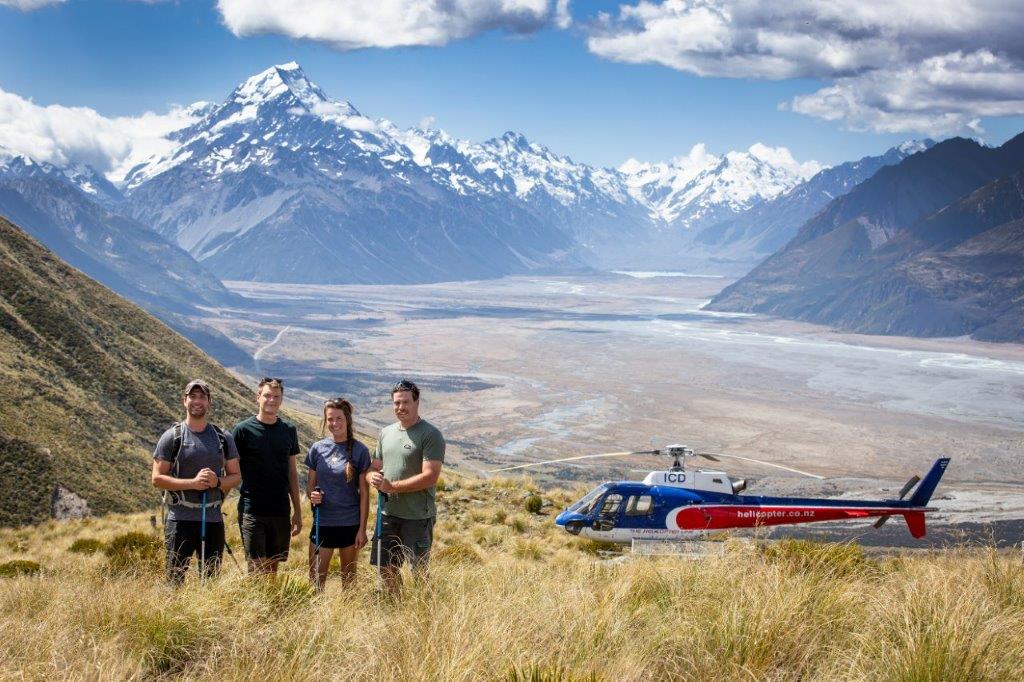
[(293, 492), (163, 480), (426, 478), (232, 476)]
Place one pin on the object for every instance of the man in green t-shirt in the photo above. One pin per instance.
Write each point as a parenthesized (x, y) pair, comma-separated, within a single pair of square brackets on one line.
[(406, 463), (267, 447)]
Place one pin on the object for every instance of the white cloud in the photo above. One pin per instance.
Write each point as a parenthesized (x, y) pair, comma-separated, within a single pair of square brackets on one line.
[(63, 135), (893, 65), (354, 24), (29, 5), (938, 96), (783, 158)]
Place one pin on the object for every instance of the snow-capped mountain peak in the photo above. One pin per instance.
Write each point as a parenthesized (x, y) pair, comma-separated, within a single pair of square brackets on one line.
[(914, 146), (80, 175), (700, 187), (276, 82)]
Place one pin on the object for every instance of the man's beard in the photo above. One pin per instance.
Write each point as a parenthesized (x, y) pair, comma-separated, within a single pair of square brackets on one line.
[(197, 411)]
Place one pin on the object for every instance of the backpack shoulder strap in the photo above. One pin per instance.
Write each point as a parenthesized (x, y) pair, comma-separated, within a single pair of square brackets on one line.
[(222, 440), (179, 438)]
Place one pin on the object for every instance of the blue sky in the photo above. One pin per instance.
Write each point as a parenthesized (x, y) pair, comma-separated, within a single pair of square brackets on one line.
[(635, 94)]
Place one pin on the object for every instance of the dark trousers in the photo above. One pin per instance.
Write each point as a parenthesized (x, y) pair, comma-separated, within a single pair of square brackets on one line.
[(182, 540)]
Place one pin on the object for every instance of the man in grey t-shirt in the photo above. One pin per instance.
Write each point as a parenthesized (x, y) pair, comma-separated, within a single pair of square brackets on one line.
[(191, 458), (406, 464)]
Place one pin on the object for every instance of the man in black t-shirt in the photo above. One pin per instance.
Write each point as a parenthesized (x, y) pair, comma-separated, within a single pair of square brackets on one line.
[(267, 447)]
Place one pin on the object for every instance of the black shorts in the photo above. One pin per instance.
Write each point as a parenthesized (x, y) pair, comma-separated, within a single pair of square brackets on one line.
[(182, 539), (404, 539), (266, 537), (336, 537)]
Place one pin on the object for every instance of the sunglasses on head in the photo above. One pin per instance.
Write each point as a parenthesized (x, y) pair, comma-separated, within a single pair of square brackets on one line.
[(271, 380)]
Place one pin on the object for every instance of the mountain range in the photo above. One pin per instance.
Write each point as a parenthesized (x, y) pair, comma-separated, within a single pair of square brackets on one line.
[(279, 182), (282, 183), (933, 246)]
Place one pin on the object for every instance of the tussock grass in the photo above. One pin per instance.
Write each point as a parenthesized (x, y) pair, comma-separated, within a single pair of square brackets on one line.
[(18, 567), (135, 553), (507, 604), (87, 546)]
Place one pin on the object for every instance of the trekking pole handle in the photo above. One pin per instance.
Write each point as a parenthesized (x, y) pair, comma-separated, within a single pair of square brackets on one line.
[(317, 489)]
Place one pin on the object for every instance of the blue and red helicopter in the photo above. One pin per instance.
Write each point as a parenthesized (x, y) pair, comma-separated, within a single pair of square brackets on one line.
[(681, 503)]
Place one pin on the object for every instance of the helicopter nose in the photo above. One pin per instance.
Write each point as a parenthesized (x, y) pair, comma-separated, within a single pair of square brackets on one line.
[(562, 518)]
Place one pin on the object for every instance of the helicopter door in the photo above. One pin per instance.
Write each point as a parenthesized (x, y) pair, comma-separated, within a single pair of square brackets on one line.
[(608, 516)]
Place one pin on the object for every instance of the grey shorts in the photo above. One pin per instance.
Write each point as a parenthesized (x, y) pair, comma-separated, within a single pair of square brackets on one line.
[(266, 537), (403, 539)]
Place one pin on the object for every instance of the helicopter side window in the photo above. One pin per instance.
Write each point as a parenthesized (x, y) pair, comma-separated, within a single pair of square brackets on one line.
[(611, 505), (638, 505)]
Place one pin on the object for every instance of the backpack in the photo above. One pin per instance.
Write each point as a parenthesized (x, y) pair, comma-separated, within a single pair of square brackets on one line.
[(176, 497)]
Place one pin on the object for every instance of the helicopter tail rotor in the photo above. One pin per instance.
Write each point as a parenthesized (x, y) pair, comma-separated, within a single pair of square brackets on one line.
[(907, 487)]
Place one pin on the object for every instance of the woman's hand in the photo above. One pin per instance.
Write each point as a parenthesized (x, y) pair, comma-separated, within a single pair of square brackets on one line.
[(360, 540), (316, 496)]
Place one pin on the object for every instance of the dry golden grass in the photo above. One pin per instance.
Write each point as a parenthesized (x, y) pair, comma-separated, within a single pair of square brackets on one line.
[(510, 596)]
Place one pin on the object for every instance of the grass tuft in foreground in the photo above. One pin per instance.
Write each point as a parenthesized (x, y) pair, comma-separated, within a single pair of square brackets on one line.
[(511, 597)]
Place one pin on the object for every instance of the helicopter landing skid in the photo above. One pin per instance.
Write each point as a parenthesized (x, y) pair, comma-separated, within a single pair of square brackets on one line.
[(687, 549)]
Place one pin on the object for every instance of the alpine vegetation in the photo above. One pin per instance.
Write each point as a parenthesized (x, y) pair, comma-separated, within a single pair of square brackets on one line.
[(793, 610)]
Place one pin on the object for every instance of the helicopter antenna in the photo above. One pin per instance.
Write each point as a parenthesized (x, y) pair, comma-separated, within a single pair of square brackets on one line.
[(573, 459), (713, 455)]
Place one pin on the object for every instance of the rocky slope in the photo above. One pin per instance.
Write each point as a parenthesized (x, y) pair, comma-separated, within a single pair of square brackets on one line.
[(75, 213), (91, 381)]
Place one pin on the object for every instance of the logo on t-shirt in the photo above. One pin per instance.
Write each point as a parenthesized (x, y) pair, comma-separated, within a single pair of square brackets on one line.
[(408, 446)]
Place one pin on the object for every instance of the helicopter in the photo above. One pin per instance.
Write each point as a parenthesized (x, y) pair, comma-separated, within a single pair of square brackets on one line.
[(683, 503)]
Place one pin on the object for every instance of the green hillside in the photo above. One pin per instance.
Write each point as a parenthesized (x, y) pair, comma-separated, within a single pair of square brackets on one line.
[(90, 380)]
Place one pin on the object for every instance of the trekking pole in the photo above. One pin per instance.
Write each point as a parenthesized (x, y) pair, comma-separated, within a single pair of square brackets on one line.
[(316, 540), (224, 518), (202, 541), (378, 529)]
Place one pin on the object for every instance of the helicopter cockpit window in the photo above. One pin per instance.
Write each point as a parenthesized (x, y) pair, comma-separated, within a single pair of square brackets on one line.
[(611, 505), (638, 505), (587, 503)]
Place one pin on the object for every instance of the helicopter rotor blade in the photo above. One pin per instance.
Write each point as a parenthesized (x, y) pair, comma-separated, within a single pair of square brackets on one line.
[(707, 455), (574, 459), (767, 464)]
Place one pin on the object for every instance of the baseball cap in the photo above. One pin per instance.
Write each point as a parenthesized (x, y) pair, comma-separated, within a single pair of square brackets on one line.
[(197, 383)]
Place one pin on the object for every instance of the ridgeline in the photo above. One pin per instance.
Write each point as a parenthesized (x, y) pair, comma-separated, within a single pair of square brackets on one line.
[(90, 381)]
